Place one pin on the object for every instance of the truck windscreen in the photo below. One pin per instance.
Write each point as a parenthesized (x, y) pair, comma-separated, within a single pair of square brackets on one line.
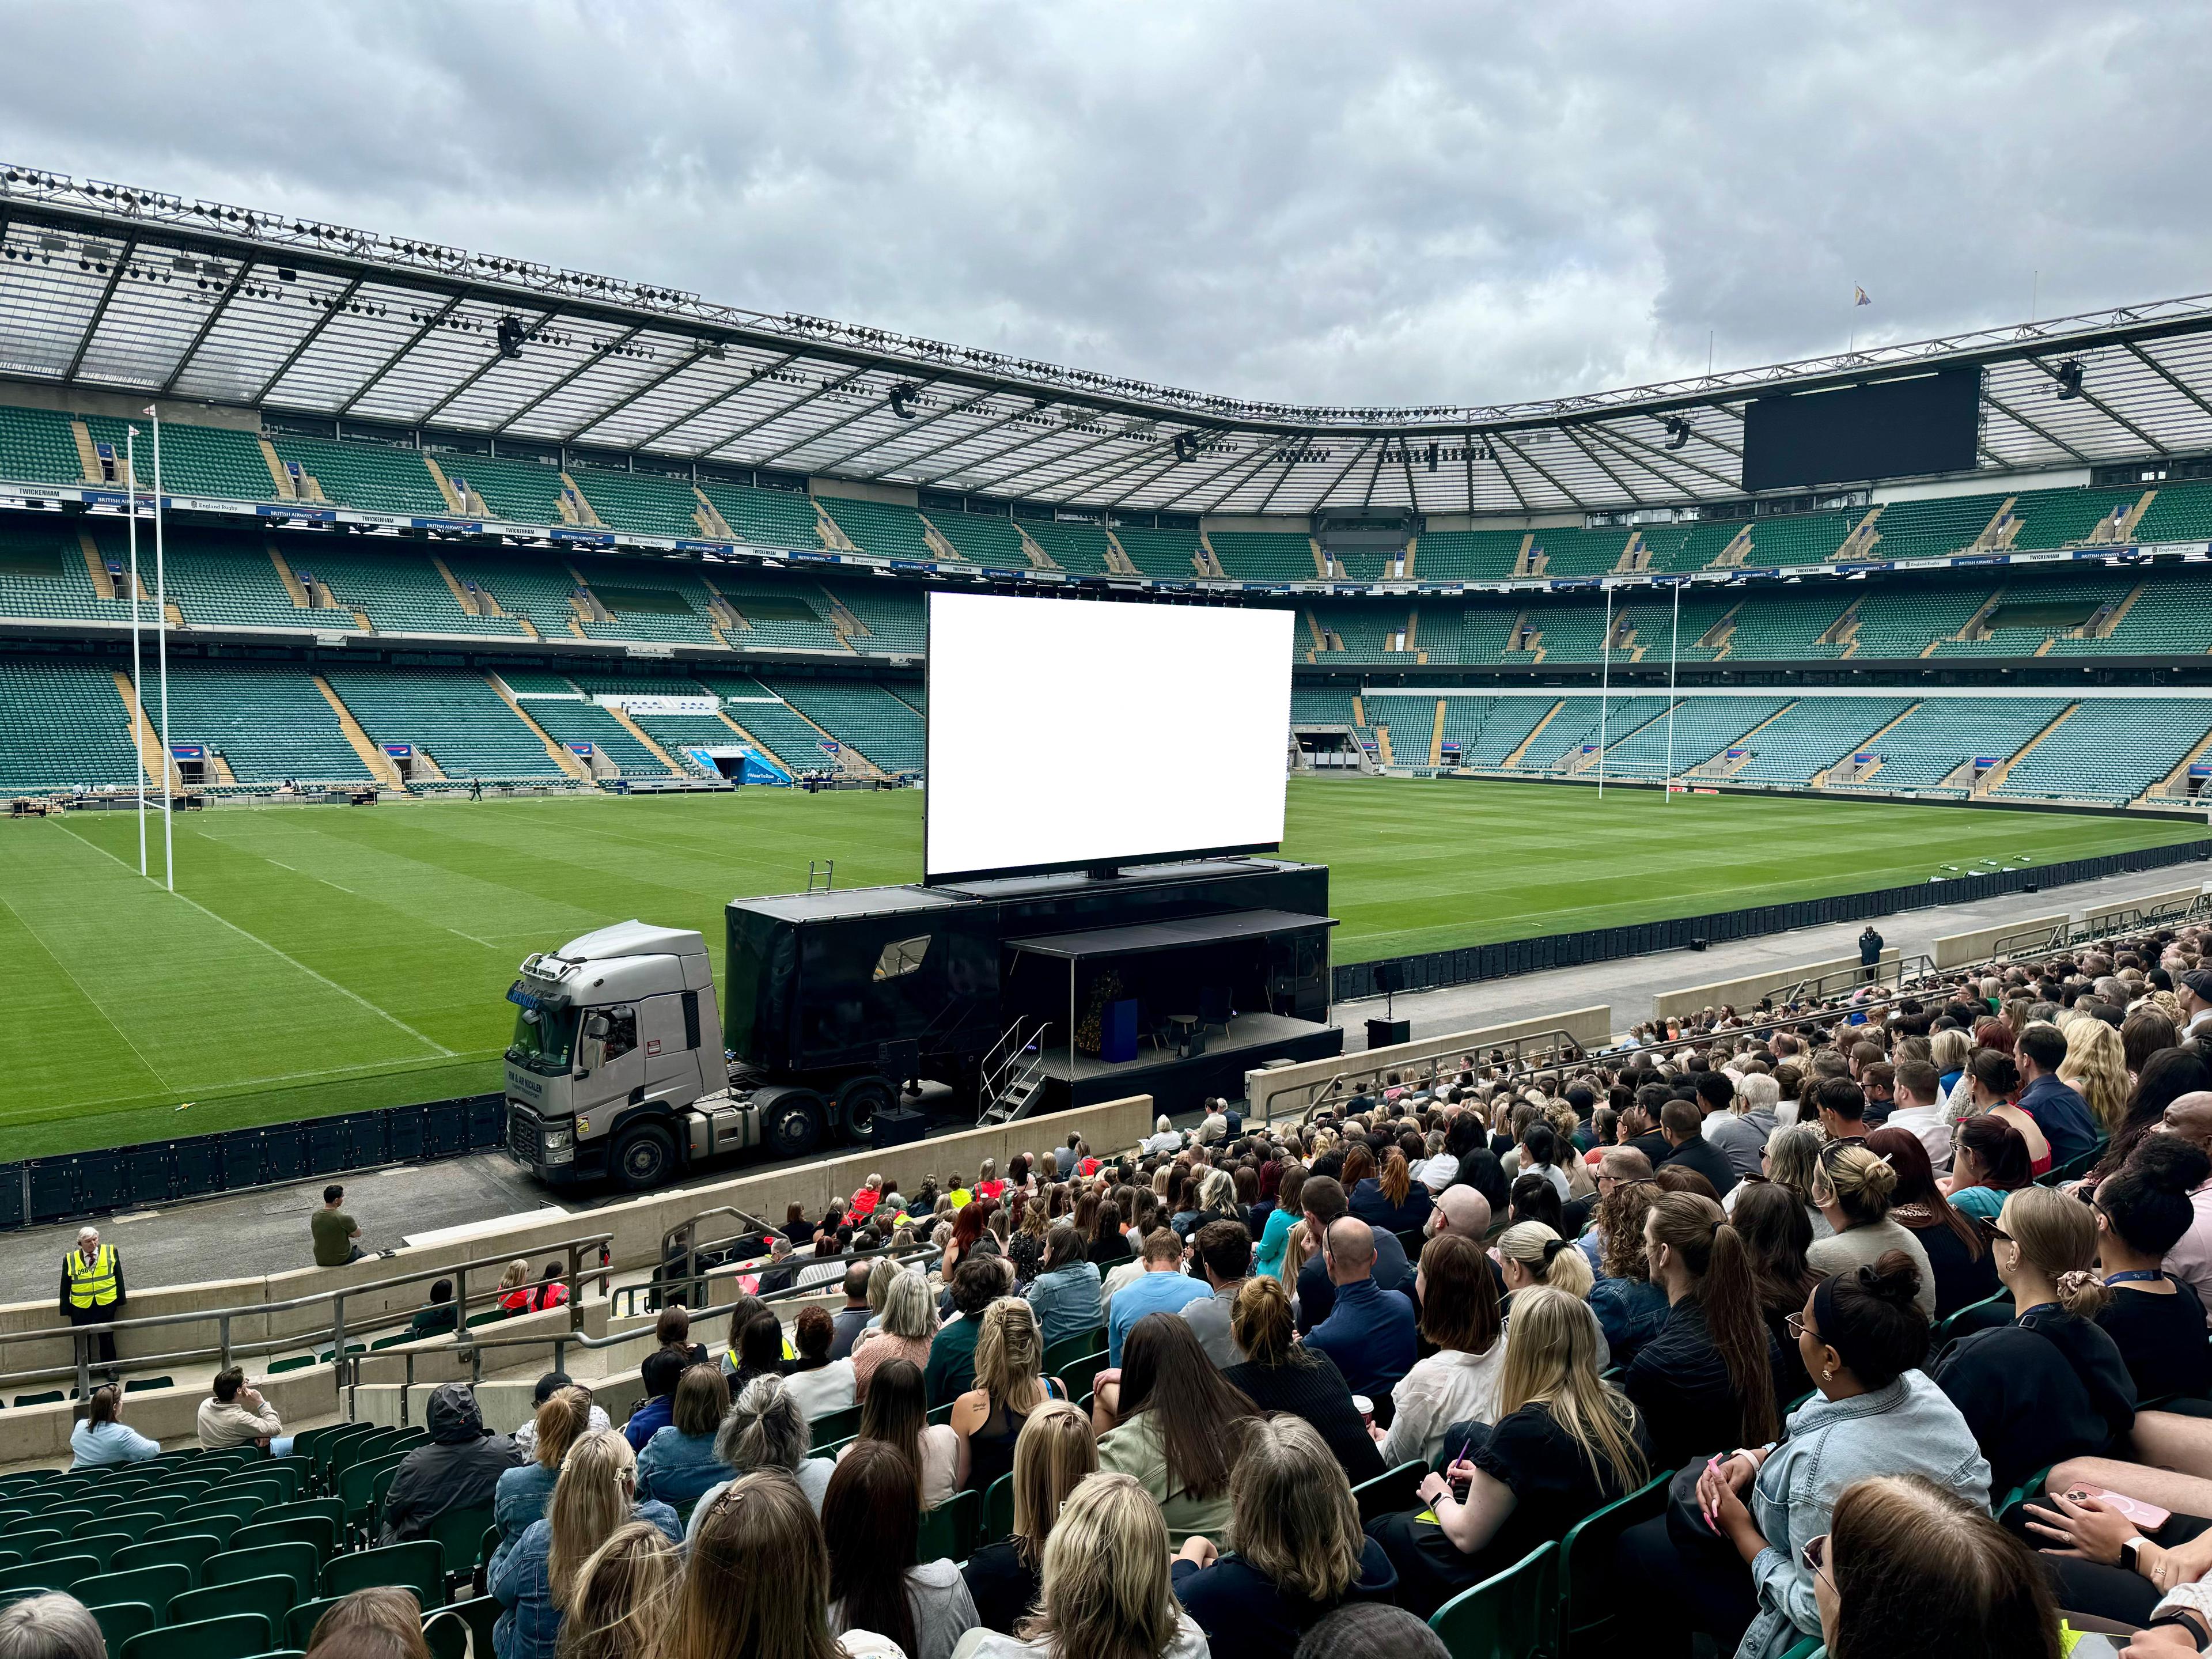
[(545, 1039)]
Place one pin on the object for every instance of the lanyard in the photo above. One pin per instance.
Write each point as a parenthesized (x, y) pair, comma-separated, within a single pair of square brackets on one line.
[(2136, 1276)]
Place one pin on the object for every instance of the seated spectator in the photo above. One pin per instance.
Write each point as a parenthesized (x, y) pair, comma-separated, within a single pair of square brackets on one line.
[(1683, 1127), (2051, 1385), (1458, 1383), (460, 1469), (862, 1205), (1391, 1198), (678, 1462), (910, 1322), (383, 1622), (1918, 1109), (1566, 1443), (1055, 1451), (1631, 1310), (1370, 1631), (988, 1184), (2056, 1107), (552, 1289), (1534, 1198), (100, 1439), (236, 1415), (1839, 1109), (1222, 1251), (1530, 1252), (1322, 1201), (1909, 1567), (765, 1433), (1065, 1293), (1704, 1383), (820, 1384), (512, 1295), (1854, 1188), (672, 1329), (1175, 1423), (1992, 1082), (1862, 1337), (1950, 1240), (519, 1498), (1161, 1286), (46, 1625), (1368, 1333), (2155, 1319), (1107, 1593), (596, 1494), (1299, 1553), (757, 1346), (662, 1370), (1989, 1159), (755, 1581), (1280, 1374), (950, 1372), (897, 1411), (1793, 1154), (871, 1522), (435, 1317), (1268, 1257), (1737, 1120), (623, 1597), (1109, 1247), (1165, 1140), (1776, 1234), (1009, 1385), (2161, 1079), (525, 1437)]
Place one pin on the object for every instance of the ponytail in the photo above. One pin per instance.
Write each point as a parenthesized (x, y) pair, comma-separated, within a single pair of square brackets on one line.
[(2058, 1237), (1726, 1286), (2082, 1293)]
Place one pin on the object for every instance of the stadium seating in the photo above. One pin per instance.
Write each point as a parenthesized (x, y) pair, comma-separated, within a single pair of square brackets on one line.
[(1812, 734), (2167, 618), (1314, 705), (651, 599), (771, 721), (43, 573), (522, 491), (1927, 528), (1942, 734), (269, 723), (769, 518), (450, 714), (578, 721), (1171, 554), (643, 502), (890, 612), (2179, 513), (857, 712), (1489, 730), (1581, 721), (196, 461), (219, 582), (1701, 728), (1079, 548), (986, 539), (535, 587), (64, 723), (2110, 749), (779, 616), (883, 528), (371, 478), (1258, 556), (400, 591), (1471, 555), (37, 446)]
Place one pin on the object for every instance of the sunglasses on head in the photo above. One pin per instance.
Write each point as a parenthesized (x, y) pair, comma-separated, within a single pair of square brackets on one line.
[(1814, 1555)]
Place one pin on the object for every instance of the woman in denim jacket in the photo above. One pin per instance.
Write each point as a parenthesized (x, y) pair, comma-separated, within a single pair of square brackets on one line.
[(1065, 1293), (1862, 1339)]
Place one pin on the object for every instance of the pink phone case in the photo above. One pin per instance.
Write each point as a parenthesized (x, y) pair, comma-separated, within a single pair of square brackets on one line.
[(2147, 1518)]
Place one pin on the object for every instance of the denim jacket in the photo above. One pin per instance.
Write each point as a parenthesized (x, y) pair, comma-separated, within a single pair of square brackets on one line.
[(529, 1624), (675, 1468), (1066, 1301), (1909, 1427)]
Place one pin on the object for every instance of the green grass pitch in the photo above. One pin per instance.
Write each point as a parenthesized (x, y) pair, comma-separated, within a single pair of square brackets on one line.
[(318, 960)]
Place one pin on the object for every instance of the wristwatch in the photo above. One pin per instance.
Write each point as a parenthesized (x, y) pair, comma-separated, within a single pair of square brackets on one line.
[(2129, 1548)]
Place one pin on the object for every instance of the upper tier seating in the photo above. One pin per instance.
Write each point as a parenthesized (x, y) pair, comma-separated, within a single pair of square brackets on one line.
[(1471, 555), (270, 724), (781, 615), (371, 477), (651, 599), (219, 583), (1259, 556), (883, 528), (37, 446), (520, 491), (986, 539), (643, 503), (2169, 617), (2180, 512), (860, 713), (196, 461), (452, 714), (767, 518), (43, 573), (63, 723), (399, 590), (535, 585), (1077, 548), (1171, 554), (891, 613)]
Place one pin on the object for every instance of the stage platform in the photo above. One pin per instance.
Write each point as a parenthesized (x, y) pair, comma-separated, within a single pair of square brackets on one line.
[(1182, 1084)]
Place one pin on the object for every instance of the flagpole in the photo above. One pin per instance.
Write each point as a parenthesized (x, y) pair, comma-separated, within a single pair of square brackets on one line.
[(1673, 659), (1604, 686), (161, 637), (137, 696)]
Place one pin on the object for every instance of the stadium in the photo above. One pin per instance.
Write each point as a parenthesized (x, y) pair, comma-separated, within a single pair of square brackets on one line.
[(445, 697)]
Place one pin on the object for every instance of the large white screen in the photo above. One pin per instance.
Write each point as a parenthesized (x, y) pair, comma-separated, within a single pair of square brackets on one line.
[(1070, 732)]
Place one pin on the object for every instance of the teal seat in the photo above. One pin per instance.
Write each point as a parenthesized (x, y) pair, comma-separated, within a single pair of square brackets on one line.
[(188, 1550), (948, 1532), (119, 1621), (100, 1546), (271, 1597), (1989, 1311), (459, 1536), (998, 1511), (1078, 1373), (238, 1636), (60, 1573), (318, 1530), (835, 1425), (419, 1566), (155, 1586), (1065, 1352), (298, 1562), (299, 1627), (221, 1527), (1391, 1492), (1586, 1604), (1503, 1617)]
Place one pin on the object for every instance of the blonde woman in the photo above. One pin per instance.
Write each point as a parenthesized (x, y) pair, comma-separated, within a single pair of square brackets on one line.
[(2096, 1068), (596, 1494), (519, 1499), (625, 1597), (1056, 1451), (1010, 1384), (512, 1295), (1107, 1591), (1566, 1444), (910, 1322), (1854, 1188), (756, 1581), (1531, 1253), (1298, 1553)]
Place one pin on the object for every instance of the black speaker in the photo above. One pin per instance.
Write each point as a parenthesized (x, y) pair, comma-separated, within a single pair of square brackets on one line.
[(900, 1061), (897, 1128), (1391, 975), (1388, 1033), (2031, 887), (1700, 944)]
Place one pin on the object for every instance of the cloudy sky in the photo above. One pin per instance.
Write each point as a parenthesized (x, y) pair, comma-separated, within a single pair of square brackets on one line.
[(1387, 203)]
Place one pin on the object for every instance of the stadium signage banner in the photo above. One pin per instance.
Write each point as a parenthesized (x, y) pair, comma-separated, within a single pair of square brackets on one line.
[(400, 750), (581, 750), (637, 703), (585, 538), (190, 751)]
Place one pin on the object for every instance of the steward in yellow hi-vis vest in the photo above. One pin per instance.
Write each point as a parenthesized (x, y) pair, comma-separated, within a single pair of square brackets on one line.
[(92, 1291)]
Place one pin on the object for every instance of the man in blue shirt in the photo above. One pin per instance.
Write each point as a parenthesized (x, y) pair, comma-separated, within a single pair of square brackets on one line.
[(1161, 1288), (2058, 1111), (1369, 1334)]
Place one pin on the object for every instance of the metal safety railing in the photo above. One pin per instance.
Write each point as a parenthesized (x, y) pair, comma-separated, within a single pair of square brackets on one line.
[(1323, 1093), (2111, 923), (1818, 987)]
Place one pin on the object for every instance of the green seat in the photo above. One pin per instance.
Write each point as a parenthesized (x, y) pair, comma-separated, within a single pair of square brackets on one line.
[(1989, 1311), (480, 1614), (100, 1546), (356, 1489), (459, 1536), (445, 1633), (60, 1573), (835, 1425), (241, 1507), (329, 1508), (317, 1530), (1391, 1491), (1078, 1373), (155, 1586), (297, 1363), (1804, 1650), (45, 1399), (218, 1526), (119, 1621), (190, 1551), (1586, 1604), (1503, 1617), (305, 1442), (27, 1539), (271, 1597), (237, 1636), (75, 1519), (1069, 1349), (136, 1522), (140, 1385), (948, 1532), (300, 1623), (419, 1566), (298, 1562), (998, 1512)]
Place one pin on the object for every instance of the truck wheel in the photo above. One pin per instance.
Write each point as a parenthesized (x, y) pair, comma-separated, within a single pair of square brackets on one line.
[(795, 1124), (644, 1158), (857, 1103)]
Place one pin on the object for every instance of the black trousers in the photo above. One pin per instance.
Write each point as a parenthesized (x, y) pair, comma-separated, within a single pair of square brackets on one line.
[(2116, 1593), (1676, 1593), (104, 1341)]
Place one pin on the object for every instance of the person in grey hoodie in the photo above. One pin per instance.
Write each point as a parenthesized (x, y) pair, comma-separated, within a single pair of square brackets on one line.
[(460, 1469)]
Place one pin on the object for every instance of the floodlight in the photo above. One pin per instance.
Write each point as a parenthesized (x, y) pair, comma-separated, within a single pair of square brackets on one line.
[(1677, 432), (2069, 376), (902, 397)]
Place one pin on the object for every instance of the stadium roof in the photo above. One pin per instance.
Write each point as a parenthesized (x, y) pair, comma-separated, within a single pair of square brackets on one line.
[(112, 287)]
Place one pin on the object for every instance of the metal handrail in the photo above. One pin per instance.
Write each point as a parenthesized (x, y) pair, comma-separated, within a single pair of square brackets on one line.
[(1328, 1087), (1913, 968), (2065, 935), (225, 1349)]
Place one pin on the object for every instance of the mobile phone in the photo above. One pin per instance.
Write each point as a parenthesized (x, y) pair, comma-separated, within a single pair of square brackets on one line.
[(2147, 1518)]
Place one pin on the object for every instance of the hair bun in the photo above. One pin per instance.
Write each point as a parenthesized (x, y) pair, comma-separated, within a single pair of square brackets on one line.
[(1892, 1278)]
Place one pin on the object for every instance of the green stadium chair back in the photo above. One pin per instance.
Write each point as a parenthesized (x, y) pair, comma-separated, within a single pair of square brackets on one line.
[(190, 1551), (75, 1519), (298, 1362), (948, 1532), (31, 1539), (298, 1562), (219, 1527), (835, 1425), (460, 1536), (1586, 1605), (446, 1634), (100, 1546), (236, 1636), (317, 1530), (261, 1488), (271, 1597), (141, 1384), (240, 1509), (480, 1614), (119, 1621), (1503, 1617), (419, 1565), (1975, 1316), (155, 1586), (1078, 1374), (61, 1573), (1069, 1349), (330, 1509), (299, 1627), (1391, 1491), (49, 1397)]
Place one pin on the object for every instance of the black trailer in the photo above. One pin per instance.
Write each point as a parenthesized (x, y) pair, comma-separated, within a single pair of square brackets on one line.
[(1024, 993)]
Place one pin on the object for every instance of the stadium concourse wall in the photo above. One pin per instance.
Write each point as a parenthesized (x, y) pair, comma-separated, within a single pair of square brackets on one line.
[(637, 1226), (1751, 987), (1433, 970)]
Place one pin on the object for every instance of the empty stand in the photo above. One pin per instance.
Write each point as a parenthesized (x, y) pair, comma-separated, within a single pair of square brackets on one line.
[(44, 573), (1079, 548), (890, 611), (268, 723), (771, 518), (987, 538), (400, 592), (37, 446), (525, 492), (1254, 555), (2110, 750), (1923, 750), (772, 722), (883, 528), (1172, 554), (369, 476), (196, 461), (1813, 734), (776, 615), (859, 712), (1701, 728), (455, 716), (643, 502), (63, 723)]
